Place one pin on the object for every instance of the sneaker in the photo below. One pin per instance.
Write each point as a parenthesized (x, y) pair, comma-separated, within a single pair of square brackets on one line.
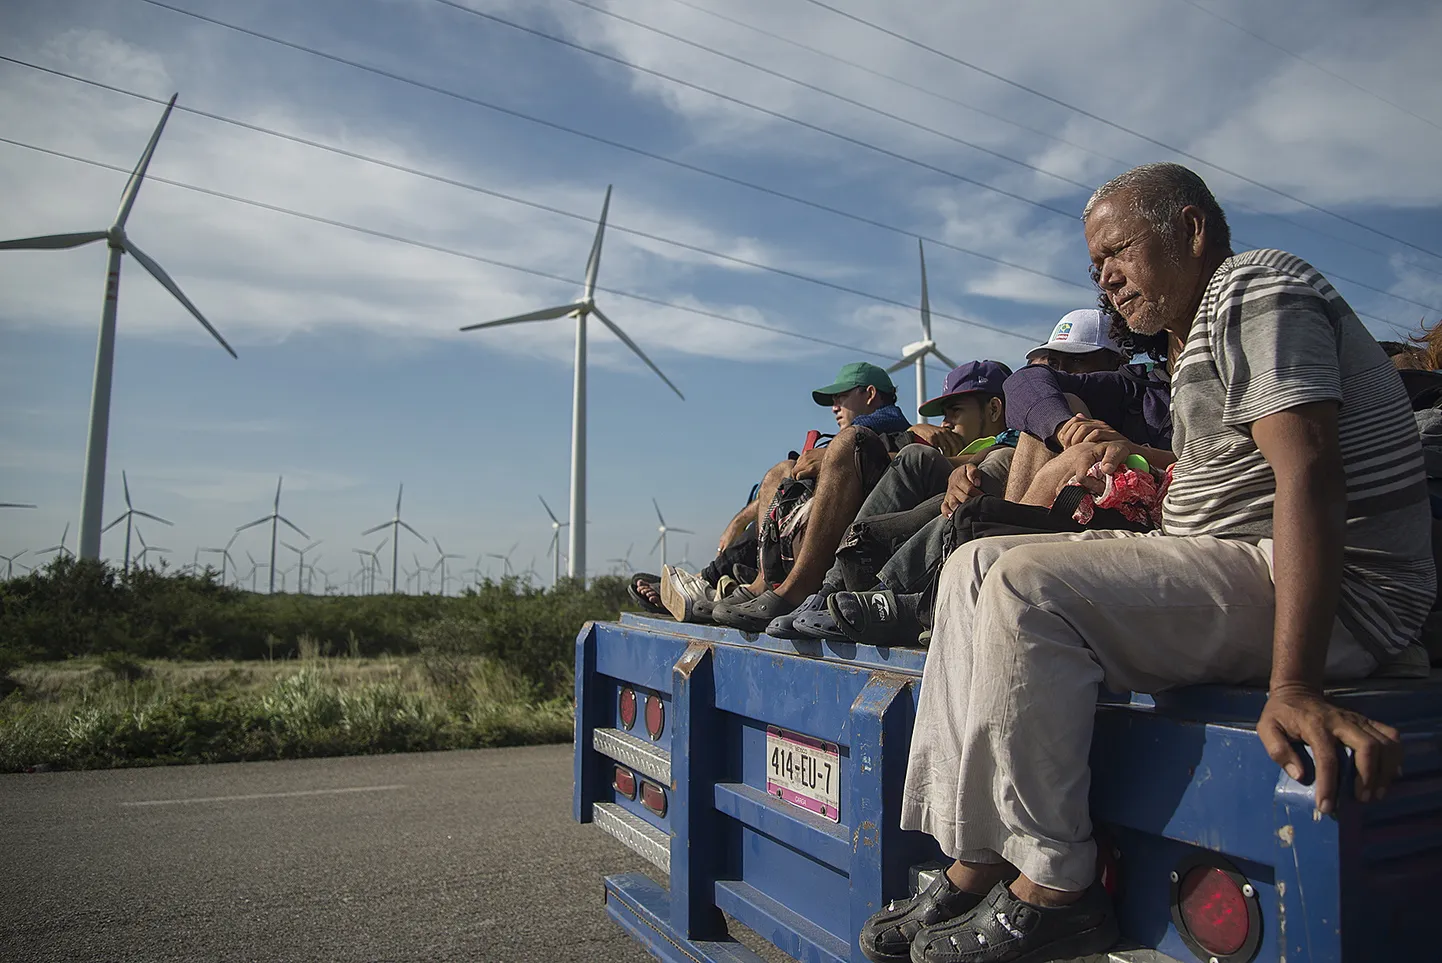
[(680, 591), (887, 936), (1003, 928), (784, 627), (752, 615)]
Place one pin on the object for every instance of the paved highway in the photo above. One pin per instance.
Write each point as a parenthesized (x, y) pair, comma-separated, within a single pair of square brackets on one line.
[(426, 857)]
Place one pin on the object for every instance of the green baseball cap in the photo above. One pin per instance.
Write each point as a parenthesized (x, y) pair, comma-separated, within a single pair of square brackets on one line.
[(854, 375)]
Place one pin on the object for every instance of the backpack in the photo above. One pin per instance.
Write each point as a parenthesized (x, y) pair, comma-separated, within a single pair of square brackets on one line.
[(784, 521)]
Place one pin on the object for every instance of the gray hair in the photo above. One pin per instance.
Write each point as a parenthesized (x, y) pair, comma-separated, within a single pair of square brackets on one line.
[(1159, 192)]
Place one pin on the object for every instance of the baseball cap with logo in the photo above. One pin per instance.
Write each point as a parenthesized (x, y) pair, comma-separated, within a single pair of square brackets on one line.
[(983, 376), (1077, 333), (854, 375)]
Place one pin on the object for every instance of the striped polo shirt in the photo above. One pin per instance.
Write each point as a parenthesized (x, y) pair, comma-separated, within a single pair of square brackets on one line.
[(1270, 334)]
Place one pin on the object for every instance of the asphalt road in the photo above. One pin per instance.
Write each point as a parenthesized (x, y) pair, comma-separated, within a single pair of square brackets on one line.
[(427, 857)]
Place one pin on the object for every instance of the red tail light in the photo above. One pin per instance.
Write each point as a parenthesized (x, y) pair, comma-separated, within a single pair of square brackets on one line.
[(626, 707), (624, 782), (1216, 910), (653, 797), (655, 716)]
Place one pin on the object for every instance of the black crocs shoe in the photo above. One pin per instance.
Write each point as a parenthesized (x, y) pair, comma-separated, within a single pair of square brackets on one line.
[(887, 936), (1003, 929)]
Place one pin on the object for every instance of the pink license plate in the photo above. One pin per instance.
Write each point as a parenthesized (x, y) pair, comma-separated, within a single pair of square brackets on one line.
[(803, 771)]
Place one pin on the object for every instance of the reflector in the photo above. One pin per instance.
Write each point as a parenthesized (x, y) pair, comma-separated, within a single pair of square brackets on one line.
[(653, 797), (655, 716), (1214, 910), (624, 782), (626, 707)]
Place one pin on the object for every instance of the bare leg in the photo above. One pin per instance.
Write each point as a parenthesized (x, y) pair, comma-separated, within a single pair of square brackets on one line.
[(1031, 456), (981, 877), (778, 474), (737, 525), (834, 506)]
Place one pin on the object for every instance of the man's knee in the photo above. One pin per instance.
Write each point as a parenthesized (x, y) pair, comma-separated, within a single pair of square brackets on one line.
[(918, 458)]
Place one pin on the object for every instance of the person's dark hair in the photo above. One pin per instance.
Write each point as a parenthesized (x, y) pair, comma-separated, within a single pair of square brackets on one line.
[(1394, 348), (1130, 343), (886, 397), (1159, 192)]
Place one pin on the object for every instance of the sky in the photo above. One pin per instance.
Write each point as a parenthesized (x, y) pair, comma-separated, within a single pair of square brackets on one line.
[(773, 163)]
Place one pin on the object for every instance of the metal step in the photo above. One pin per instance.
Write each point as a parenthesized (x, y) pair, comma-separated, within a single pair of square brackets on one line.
[(635, 834)]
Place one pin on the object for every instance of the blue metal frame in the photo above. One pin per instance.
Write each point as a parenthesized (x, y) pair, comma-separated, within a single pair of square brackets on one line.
[(1171, 778)]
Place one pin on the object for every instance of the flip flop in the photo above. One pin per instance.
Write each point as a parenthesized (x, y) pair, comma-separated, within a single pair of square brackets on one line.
[(640, 599), (873, 618)]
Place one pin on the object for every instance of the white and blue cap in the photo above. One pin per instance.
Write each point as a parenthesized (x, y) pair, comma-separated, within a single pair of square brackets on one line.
[(1079, 332)]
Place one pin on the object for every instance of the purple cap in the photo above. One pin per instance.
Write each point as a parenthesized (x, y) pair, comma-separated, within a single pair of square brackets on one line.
[(986, 376)]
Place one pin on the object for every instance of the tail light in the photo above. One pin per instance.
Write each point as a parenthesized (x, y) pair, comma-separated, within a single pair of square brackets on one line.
[(624, 782), (655, 716), (1216, 910), (626, 707), (653, 797)]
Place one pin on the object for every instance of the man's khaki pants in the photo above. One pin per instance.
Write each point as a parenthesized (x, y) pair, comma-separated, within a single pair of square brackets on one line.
[(1027, 627)]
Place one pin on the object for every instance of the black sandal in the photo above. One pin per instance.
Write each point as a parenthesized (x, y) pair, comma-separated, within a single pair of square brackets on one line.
[(633, 590), (1004, 928), (886, 937), (874, 618)]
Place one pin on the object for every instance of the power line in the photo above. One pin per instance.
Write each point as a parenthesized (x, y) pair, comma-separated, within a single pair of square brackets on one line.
[(1234, 204), (1114, 125), (501, 195), (441, 249), (1311, 63)]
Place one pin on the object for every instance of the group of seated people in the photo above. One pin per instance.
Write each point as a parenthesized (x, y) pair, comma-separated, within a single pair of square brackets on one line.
[(1250, 508)]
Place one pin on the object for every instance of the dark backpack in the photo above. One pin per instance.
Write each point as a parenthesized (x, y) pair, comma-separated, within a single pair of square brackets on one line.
[(784, 521)]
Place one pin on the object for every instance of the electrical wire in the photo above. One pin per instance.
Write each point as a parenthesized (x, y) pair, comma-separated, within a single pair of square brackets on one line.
[(1114, 125), (442, 249)]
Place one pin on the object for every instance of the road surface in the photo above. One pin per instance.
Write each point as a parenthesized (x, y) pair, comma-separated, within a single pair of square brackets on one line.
[(424, 857)]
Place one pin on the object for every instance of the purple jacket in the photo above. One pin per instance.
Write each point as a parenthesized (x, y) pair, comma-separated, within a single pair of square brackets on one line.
[(1134, 399)]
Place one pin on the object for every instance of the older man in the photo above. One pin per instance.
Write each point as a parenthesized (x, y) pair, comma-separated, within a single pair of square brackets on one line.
[(1295, 551)]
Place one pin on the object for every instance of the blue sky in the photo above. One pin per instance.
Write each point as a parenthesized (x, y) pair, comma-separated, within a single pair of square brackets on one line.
[(352, 374)]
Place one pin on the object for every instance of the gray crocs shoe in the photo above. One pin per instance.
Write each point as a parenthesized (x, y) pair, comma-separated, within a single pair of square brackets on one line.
[(784, 627), (752, 615)]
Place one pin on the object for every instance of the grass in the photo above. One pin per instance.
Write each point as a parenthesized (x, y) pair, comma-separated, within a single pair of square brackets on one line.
[(114, 710)]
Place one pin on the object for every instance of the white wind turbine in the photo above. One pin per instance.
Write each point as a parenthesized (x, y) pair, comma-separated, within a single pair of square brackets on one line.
[(224, 554), (9, 561), (129, 517), (555, 549), (623, 564), (300, 584), (275, 518), (146, 550), (395, 525), (663, 529), (916, 352), (441, 562), (580, 310), (61, 548), (92, 498), (505, 559)]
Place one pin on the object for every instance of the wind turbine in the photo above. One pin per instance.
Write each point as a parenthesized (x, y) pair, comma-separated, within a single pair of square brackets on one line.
[(580, 310), (9, 561), (275, 518), (61, 547), (300, 577), (254, 567), (130, 512), (555, 549), (224, 554), (624, 563), (916, 352), (373, 567), (441, 562), (395, 525), (92, 498), (663, 529), (146, 549), (506, 559), (14, 505)]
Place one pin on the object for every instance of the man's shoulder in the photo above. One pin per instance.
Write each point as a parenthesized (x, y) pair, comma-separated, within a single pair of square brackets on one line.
[(1242, 271)]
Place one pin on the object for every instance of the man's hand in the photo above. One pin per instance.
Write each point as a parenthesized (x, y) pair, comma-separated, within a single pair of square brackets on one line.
[(940, 437), (1082, 430), (1300, 713), (809, 464), (964, 483)]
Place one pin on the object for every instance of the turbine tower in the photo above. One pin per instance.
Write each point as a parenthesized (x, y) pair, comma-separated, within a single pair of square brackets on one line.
[(555, 549), (275, 518), (580, 310), (92, 498), (300, 578), (395, 525), (916, 352), (129, 517), (661, 541)]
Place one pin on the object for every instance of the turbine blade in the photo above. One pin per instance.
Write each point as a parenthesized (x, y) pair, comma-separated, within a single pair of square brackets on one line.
[(656, 546), (658, 511), (399, 492), (258, 521), (372, 531), (293, 525), (289, 546), (125, 482), (683, 531), (908, 358), (545, 314), (639, 353), (113, 524), (154, 518), (132, 186), (925, 297), (411, 530), (51, 242), (280, 480), (943, 358), (593, 263), (548, 511), (157, 272)]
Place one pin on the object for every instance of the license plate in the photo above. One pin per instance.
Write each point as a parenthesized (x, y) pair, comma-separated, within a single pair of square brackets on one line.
[(803, 771)]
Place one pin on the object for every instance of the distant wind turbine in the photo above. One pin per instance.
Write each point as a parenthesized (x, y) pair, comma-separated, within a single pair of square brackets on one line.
[(254, 567), (9, 561), (300, 578), (916, 352), (61, 548), (395, 525), (505, 559), (128, 518), (373, 567), (580, 310), (555, 549), (275, 518), (663, 529), (624, 563), (92, 498), (146, 549), (441, 563), (224, 554)]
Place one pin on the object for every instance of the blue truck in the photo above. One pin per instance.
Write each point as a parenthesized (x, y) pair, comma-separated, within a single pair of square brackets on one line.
[(762, 779)]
